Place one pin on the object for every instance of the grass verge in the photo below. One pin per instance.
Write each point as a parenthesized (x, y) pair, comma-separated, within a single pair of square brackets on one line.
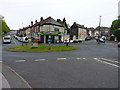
[(43, 48)]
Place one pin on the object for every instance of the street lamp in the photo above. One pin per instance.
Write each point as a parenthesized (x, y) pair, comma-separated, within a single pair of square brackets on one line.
[(99, 29), (49, 37)]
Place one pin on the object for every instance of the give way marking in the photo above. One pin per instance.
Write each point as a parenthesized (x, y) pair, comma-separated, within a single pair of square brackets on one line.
[(106, 62)]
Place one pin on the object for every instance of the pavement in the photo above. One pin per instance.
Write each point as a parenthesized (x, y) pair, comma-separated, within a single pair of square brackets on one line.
[(8, 77), (4, 83)]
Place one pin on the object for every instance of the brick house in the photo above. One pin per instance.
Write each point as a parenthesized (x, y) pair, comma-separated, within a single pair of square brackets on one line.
[(78, 31), (44, 29)]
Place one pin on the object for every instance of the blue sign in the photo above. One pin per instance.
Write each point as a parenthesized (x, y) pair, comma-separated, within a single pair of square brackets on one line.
[(49, 39)]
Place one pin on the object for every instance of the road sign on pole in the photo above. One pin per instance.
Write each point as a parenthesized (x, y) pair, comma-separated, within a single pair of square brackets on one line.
[(49, 41)]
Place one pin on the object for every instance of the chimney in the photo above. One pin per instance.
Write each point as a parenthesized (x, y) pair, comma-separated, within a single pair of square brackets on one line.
[(35, 21), (41, 19), (74, 23), (31, 23)]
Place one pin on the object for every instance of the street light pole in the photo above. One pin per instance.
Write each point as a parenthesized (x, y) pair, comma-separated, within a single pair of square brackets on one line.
[(49, 36), (99, 30)]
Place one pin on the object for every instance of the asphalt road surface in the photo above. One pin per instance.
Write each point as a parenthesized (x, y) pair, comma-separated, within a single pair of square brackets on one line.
[(91, 66)]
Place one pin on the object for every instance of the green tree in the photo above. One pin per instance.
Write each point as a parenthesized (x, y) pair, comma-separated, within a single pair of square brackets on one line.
[(5, 27), (65, 23), (115, 28)]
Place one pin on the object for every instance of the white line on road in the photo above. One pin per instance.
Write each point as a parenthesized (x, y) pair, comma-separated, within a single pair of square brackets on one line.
[(20, 61), (61, 58), (106, 62), (20, 77), (1, 61), (84, 58), (78, 58), (40, 59), (15, 43), (109, 60)]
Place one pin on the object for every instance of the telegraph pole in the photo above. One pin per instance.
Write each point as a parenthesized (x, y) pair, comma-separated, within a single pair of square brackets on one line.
[(99, 30)]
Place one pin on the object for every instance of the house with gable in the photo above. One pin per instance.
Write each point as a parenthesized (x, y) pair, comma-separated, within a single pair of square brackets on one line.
[(78, 31), (44, 29)]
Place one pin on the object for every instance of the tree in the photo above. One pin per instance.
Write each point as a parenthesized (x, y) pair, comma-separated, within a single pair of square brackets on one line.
[(5, 27), (63, 22), (115, 28)]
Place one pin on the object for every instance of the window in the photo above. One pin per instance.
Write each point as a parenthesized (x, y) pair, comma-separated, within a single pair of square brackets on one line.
[(56, 29)]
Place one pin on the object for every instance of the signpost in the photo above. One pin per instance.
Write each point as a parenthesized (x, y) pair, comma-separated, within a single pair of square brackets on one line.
[(49, 41)]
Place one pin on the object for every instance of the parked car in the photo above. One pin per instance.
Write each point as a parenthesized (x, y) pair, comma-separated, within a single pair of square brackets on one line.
[(7, 39), (71, 41), (87, 38), (37, 41), (119, 44), (68, 41), (77, 41), (102, 40), (25, 39), (15, 36), (103, 37)]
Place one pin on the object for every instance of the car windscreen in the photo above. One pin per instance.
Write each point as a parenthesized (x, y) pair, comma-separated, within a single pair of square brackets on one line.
[(6, 38)]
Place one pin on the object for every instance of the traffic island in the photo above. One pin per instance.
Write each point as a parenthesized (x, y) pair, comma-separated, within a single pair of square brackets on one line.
[(42, 48)]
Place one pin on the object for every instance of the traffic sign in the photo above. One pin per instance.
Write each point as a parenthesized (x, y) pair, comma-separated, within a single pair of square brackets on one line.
[(49, 39)]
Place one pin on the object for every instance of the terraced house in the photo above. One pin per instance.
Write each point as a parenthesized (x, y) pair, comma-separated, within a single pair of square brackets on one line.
[(44, 29)]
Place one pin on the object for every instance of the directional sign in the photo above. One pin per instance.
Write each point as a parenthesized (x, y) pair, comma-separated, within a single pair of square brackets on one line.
[(49, 39)]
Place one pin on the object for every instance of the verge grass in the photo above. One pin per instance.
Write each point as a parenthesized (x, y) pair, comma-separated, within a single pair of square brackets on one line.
[(43, 48)]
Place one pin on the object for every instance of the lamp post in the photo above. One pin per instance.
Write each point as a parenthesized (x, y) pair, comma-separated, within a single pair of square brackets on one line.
[(99, 30), (49, 36)]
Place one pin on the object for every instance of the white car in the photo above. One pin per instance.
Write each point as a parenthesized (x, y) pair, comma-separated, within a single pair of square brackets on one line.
[(15, 36), (103, 37), (7, 39), (24, 39), (102, 40), (68, 41)]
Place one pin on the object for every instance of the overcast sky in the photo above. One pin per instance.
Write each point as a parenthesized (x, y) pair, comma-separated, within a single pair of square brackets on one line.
[(19, 13)]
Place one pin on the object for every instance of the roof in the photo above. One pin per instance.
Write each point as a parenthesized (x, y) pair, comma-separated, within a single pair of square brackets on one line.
[(78, 25), (47, 21), (50, 21)]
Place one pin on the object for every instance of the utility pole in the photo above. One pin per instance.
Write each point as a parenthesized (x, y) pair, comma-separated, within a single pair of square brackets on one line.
[(99, 30)]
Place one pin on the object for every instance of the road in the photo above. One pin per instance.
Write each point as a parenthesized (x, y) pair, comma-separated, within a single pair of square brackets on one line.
[(91, 66)]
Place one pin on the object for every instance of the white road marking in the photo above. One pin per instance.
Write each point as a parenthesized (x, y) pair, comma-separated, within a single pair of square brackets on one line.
[(61, 58), (20, 77), (107, 63), (1, 61), (84, 58), (78, 58), (40, 59), (5, 83), (109, 60), (20, 61), (15, 43)]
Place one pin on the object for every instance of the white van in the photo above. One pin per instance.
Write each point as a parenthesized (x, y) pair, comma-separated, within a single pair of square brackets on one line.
[(7, 39)]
